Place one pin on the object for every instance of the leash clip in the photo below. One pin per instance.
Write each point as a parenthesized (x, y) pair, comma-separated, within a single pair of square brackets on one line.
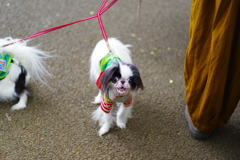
[(108, 46)]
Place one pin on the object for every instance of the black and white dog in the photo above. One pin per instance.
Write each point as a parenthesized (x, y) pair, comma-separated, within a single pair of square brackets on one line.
[(117, 79), (19, 62)]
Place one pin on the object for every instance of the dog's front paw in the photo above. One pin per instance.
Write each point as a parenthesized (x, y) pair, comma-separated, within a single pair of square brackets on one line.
[(22, 102), (121, 124), (18, 107), (104, 129), (122, 121)]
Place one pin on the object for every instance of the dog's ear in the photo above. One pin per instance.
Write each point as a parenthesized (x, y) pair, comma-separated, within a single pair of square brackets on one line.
[(108, 75), (137, 81)]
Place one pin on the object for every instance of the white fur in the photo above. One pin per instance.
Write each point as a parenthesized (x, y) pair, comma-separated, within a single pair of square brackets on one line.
[(31, 59), (106, 119), (98, 98), (126, 71), (7, 84), (122, 115)]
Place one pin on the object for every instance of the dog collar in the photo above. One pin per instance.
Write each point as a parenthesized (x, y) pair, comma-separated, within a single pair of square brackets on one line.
[(5, 60), (118, 99)]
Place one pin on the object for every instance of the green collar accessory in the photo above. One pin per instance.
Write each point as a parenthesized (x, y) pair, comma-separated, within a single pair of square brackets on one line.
[(108, 60), (5, 60)]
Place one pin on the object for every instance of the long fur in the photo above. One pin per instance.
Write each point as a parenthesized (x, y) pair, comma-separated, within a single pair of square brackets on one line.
[(33, 66), (30, 57)]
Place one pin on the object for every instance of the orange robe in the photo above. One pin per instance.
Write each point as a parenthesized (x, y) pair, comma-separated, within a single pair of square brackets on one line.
[(212, 62)]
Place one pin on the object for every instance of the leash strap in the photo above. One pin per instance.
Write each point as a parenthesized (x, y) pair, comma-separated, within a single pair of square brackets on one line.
[(102, 26), (100, 12)]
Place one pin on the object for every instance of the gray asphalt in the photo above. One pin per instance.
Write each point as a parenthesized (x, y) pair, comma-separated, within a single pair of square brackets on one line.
[(57, 122)]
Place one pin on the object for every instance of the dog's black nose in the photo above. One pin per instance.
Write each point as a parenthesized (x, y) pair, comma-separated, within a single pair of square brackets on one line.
[(122, 82)]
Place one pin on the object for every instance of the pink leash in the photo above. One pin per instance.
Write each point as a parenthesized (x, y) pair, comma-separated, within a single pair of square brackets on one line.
[(102, 26), (99, 13)]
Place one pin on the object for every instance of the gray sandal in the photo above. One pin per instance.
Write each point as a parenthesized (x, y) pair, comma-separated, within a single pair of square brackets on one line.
[(193, 129)]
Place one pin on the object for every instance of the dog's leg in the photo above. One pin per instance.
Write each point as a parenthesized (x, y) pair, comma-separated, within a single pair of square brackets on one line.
[(22, 101), (123, 114), (105, 120), (98, 98)]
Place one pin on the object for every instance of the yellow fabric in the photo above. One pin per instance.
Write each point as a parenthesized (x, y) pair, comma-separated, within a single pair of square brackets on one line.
[(212, 62)]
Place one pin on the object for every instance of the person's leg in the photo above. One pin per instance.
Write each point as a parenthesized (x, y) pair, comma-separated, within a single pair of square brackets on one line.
[(212, 63)]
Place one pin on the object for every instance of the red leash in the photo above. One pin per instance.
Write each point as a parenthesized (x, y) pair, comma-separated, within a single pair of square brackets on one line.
[(102, 26), (100, 12)]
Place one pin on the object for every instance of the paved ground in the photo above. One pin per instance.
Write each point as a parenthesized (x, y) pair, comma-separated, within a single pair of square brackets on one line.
[(57, 121)]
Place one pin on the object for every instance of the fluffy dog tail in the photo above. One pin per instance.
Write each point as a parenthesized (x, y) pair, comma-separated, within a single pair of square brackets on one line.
[(30, 57)]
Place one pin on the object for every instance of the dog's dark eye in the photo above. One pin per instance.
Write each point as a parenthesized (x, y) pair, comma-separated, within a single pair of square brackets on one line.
[(130, 80), (115, 79)]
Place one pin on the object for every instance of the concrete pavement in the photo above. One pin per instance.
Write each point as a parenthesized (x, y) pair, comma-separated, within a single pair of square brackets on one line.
[(57, 122)]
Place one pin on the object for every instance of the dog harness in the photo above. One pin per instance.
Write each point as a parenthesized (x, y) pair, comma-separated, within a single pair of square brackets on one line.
[(106, 104), (5, 60)]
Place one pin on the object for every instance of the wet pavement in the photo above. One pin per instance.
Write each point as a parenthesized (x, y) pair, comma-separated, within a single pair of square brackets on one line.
[(57, 122)]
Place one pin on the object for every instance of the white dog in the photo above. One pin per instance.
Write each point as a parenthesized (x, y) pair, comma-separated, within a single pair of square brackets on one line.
[(18, 63), (117, 79)]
